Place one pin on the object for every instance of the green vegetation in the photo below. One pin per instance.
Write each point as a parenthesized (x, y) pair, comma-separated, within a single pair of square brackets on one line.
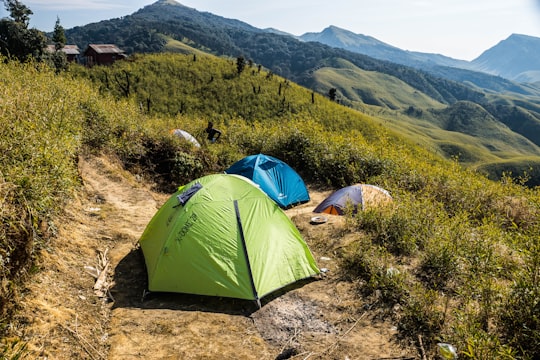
[(40, 131), (455, 258), (359, 87), (18, 42), (412, 100), (16, 39), (478, 136)]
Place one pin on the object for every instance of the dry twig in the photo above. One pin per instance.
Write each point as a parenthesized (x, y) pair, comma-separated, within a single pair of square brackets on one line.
[(101, 286), (421, 344), (332, 347), (85, 344)]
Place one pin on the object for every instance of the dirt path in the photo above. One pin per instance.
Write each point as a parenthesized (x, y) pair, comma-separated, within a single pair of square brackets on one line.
[(64, 317)]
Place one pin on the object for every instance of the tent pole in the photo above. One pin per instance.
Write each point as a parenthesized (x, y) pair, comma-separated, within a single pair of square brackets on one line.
[(244, 248)]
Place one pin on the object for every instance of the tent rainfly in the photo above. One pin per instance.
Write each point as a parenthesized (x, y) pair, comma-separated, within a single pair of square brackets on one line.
[(276, 178), (221, 235), (353, 197), (182, 134)]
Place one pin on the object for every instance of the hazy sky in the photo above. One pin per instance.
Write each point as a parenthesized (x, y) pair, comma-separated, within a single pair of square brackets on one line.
[(461, 29)]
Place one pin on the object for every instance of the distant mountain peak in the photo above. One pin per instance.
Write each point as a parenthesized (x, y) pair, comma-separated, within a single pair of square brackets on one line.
[(516, 58), (277, 31), (159, 3), (167, 2), (521, 36), (336, 28), (346, 39)]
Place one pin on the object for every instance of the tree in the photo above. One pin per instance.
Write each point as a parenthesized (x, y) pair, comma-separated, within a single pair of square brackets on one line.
[(18, 11), (240, 64), (59, 36), (332, 93), (16, 40), (58, 59)]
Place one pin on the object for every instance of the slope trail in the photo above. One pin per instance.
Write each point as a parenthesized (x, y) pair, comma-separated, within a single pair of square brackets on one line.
[(88, 299)]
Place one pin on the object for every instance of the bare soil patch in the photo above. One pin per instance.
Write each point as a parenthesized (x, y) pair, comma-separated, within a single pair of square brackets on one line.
[(64, 315)]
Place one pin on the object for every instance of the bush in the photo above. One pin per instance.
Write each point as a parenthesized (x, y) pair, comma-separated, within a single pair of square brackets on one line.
[(371, 264), (97, 127), (170, 162), (481, 345), (439, 265), (40, 127), (422, 315), (403, 229), (364, 261), (185, 167), (519, 316), (475, 343)]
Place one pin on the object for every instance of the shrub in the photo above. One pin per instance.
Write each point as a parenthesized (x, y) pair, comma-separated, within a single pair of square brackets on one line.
[(185, 167), (371, 263), (97, 127), (403, 229), (363, 261), (40, 126), (481, 345), (412, 181), (475, 343), (422, 315), (519, 316), (170, 162), (389, 284), (439, 264), (515, 212)]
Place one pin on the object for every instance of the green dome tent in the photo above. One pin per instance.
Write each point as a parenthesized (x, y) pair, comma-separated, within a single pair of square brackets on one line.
[(220, 235)]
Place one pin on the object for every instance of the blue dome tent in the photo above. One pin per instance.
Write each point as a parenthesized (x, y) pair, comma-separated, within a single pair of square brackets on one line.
[(277, 179)]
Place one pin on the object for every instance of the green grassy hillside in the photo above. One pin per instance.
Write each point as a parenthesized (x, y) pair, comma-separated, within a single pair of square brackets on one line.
[(181, 47), (368, 87), (406, 95), (455, 259), (464, 130)]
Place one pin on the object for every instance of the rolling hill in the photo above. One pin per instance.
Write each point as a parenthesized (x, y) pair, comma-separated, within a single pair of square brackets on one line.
[(409, 98)]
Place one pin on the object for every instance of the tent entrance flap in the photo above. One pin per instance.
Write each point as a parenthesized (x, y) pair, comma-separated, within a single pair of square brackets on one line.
[(244, 248)]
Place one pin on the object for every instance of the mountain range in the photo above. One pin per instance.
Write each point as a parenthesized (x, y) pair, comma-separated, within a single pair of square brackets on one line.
[(367, 45), (481, 112), (150, 28), (515, 58)]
